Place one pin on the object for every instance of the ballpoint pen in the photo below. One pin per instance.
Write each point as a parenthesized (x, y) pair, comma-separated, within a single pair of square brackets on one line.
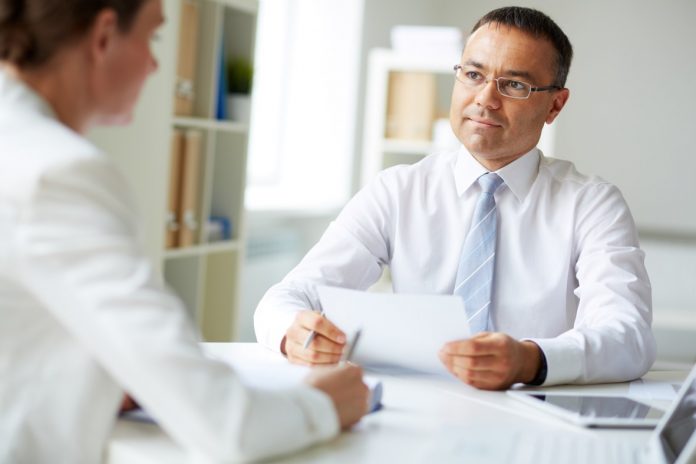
[(311, 335), (350, 348)]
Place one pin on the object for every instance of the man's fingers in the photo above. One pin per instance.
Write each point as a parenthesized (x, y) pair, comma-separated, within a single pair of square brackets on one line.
[(324, 345), (487, 380), (316, 322), (477, 363), (300, 355), (482, 344)]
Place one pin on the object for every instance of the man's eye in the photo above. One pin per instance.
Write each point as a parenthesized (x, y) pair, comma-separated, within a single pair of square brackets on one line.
[(473, 75), (515, 85)]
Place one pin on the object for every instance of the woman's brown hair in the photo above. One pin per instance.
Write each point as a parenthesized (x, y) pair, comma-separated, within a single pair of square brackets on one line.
[(32, 31)]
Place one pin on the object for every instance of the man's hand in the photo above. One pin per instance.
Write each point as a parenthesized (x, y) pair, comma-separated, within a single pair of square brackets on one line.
[(347, 391), (325, 349), (492, 361)]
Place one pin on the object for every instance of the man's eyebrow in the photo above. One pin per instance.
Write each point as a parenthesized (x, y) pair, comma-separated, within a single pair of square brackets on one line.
[(473, 63), (507, 73), (516, 73)]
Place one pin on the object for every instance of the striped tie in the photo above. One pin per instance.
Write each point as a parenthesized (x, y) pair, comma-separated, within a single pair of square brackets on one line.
[(477, 262)]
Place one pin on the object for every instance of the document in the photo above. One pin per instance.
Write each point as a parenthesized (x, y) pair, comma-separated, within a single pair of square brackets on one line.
[(262, 369), (398, 330)]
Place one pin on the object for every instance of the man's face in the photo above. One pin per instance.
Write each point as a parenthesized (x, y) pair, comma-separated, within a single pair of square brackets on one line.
[(494, 128)]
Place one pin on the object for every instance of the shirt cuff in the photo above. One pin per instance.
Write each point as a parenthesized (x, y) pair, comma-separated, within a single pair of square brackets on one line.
[(276, 325), (540, 376), (321, 412), (564, 360)]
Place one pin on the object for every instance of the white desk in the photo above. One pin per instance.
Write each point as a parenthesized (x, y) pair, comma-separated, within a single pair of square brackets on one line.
[(423, 419)]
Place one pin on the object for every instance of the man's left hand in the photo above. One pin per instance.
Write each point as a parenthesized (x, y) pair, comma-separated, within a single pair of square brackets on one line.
[(492, 360)]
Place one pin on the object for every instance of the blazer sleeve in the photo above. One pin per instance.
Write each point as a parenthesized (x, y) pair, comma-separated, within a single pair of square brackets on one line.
[(77, 251)]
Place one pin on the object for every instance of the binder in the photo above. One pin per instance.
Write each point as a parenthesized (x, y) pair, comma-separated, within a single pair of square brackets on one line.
[(189, 212), (174, 200), (411, 105), (186, 61)]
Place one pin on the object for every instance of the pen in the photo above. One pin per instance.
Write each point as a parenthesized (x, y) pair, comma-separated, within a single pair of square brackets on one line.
[(311, 335), (350, 348)]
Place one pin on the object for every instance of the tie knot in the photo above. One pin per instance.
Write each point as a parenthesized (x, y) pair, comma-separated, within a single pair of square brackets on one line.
[(490, 182)]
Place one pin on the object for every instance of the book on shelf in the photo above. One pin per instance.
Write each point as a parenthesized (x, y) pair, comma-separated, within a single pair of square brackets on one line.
[(184, 93), (192, 168), (410, 105), (174, 200), (221, 85)]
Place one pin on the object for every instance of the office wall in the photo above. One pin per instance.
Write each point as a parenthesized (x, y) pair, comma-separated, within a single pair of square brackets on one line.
[(630, 116)]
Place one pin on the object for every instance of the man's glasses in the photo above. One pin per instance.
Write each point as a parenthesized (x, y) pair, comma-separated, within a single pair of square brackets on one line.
[(508, 87)]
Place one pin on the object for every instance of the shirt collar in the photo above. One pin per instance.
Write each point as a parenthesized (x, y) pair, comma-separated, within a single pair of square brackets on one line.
[(518, 175), (16, 94)]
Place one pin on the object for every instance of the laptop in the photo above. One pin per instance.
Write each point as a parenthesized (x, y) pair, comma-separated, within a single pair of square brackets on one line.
[(672, 442)]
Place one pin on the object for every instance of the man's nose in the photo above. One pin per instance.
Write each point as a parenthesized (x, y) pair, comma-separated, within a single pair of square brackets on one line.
[(488, 95)]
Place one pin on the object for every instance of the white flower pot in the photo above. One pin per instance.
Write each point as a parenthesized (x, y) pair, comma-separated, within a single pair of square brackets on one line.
[(239, 107)]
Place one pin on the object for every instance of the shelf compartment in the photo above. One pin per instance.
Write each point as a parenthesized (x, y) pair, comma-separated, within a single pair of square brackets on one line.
[(210, 124), (218, 313), (185, 277), (203, 249)]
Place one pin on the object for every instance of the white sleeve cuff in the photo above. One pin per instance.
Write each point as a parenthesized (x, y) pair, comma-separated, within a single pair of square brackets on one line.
[(564, 359)]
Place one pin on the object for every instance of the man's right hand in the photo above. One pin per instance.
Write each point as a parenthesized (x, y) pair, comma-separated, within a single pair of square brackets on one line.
[(346, 389), (325, 349)]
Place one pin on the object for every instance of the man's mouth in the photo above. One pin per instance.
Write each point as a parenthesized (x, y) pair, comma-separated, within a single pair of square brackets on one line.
[(484, 122)]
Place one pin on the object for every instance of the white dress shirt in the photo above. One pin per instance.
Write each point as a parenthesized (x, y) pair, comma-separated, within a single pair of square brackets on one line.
[(569, 271), (83, 317)]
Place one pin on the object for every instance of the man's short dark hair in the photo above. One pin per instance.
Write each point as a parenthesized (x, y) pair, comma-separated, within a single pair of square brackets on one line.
[(539, 25)]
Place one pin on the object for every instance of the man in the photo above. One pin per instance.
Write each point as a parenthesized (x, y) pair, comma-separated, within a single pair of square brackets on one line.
[(546, 259)]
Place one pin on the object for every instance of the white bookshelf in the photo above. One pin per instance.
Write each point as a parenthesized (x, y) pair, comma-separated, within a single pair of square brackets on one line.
[(206, 275), (380, 152)]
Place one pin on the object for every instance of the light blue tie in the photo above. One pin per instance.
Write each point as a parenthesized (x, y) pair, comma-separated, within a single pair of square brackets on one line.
[(477, 262)]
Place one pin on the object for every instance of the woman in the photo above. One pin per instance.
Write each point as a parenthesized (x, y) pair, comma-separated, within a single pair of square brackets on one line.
[(83, 317)]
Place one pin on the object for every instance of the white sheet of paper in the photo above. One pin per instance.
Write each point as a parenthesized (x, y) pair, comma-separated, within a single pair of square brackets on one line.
[(258, 367), (397, 329)]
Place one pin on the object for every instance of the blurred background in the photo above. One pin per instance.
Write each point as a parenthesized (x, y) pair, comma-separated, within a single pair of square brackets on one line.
[(336, 85)]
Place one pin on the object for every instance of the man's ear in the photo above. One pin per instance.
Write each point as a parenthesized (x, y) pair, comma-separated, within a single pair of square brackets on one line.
[(102, 34), (559, 101)]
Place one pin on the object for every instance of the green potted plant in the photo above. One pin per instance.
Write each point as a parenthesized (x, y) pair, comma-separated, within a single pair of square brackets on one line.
[(239, 78)]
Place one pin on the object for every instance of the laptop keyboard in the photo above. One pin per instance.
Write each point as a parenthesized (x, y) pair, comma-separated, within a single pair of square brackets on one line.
[(542, 449)]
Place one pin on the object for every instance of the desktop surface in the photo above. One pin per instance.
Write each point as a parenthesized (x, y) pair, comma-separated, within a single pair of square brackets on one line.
[(424, 417)]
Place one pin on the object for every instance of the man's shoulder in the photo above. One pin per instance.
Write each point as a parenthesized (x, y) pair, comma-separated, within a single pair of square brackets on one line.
[(564, 172), (435, 165)]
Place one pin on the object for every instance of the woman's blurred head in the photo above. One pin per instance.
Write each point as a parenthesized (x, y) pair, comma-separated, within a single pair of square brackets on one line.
[(31, 31), (104, 45)]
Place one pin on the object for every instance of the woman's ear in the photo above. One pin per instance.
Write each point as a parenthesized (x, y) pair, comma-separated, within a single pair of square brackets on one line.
[(102, 34)]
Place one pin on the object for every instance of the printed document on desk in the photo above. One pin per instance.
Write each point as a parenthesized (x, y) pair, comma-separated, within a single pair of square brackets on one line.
[(258, 367), (398, 330)]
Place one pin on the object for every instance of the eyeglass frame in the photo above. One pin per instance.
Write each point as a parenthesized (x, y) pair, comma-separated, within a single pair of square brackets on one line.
[(547, 88)]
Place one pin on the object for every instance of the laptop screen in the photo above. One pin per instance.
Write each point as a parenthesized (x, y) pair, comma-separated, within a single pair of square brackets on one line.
[(681, 424)]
